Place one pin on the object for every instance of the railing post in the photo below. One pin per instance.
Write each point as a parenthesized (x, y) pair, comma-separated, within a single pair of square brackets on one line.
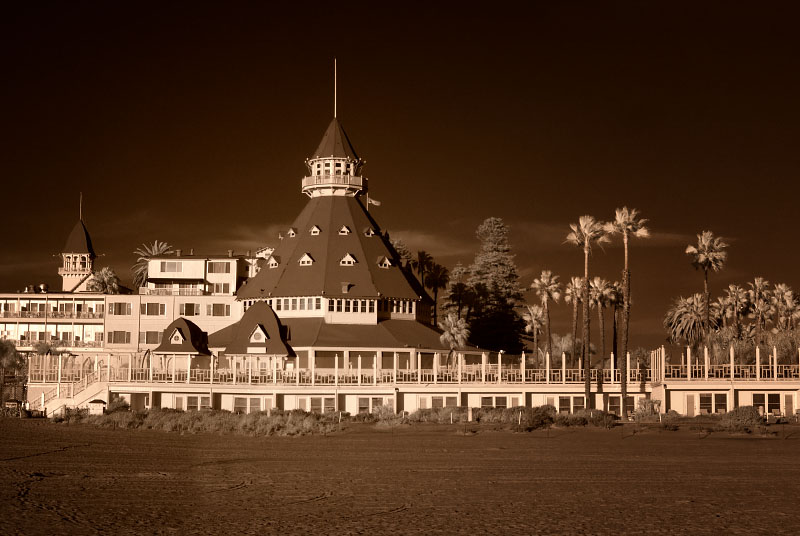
[(375, 368), (335, 369), (274, 370), (419, 367), (312, 355), (250, 369), (211, 380), (499, 366), (359, 369), (775, 363), (563, 367), (234, 369), (705, 362), (150, 367), (297, 371), (688, 363), (522, 366), (188, 368), (758, 363), (394, 368), (547, 366), (435, 366), (460, 358), (628, 368), (611, 366), (732, 363), (663, 363), (483, 367), (108, 367)]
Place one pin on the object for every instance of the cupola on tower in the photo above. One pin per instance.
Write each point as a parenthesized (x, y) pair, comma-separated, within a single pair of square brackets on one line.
[(335, 169)]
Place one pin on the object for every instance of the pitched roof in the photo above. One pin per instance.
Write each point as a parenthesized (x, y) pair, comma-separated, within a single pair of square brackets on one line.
[(192, 340), (325, 276), (258, 316), (79, 240), (335, 143), (314, 332)]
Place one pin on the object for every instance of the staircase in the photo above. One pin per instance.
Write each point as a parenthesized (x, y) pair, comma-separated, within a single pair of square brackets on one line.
[(72, 395)]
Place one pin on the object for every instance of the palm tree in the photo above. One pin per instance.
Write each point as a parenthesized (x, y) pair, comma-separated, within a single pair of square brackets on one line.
[(738, 301), (533, 325), (437, 279), (600, 292), (455, 333), (10, 361), (572, 294), (685, 320), (782, 300), (422, 265), (708, 254), (586, 232), (145, 253), (105, 281), (760, 306), (722, 310), (547, 288), (615, 301), (627, 223)]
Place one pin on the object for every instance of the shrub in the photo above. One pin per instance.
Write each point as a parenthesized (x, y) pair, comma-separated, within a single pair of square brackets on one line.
[(528, 418), (741, 419), (647, 410), (579, 418), (118, 404)]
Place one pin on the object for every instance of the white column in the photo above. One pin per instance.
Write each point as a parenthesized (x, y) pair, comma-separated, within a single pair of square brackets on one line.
[(774, 363), (336, 370), (436, 367), (547, 366), (522, 367), (460, 358), (611, 364), (359, 369), (375, 368), (211, 380), (275, 370), (174, 358), (563, 367), (688, 363), (483, 367), (58, 380), (663, 365), (312, 356), (130, 366), (188, 367), (732, 364), (394, 371), (249, 369), (758, 363), (150, 366), (499, 366), (628, 368), (705, 362), (419, 367), (297, 370)]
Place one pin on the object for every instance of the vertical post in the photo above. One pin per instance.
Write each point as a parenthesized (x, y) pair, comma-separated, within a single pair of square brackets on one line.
[(705, 362), (211, 380), (483, 367), (188, 367), (731, 360), (95, 365), (563, 367), (275, 371), (663, 365), (375, 368), (174, 358), (249, 369), (499, 366), (336, 369), (312, 356), (688, 363), (108, 367), (130, 366), (436, 367), (419, 367), (547, 366), (150, 367), (758, 363), (774, 363), (359, 369), (394, 371), (628, 368), (522, 366), (58, 381), (460, 358), (297, 370)]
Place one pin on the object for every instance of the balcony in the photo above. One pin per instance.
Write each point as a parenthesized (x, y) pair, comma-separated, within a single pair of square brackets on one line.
[(348, 182), (51, 314), (172, 291)]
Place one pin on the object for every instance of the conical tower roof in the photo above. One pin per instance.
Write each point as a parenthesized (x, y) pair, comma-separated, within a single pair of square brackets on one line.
[(327, 231), (79, 240), (335, 143)]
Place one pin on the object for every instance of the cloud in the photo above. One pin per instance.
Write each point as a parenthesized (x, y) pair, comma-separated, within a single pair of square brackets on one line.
[(438, 244)]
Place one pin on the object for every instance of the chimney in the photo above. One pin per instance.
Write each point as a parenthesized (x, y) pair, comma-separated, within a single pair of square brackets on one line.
[(191, 251), (230, 253), (248, 253)]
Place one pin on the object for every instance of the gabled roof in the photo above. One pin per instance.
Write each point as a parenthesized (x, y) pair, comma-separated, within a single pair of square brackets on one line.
[(335, 143), (324, 277), (258, 316), (193, 340), (79, 240)]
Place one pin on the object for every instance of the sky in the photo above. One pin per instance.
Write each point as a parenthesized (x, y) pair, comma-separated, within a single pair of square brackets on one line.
[(190, 123)]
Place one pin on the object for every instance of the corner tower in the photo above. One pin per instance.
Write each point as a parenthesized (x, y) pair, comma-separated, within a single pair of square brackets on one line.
[(335, 168), (77, 259)]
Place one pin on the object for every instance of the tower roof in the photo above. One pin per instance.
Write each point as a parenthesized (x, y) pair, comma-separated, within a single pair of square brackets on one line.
[(335, 143), (345, 229), (79, 240)]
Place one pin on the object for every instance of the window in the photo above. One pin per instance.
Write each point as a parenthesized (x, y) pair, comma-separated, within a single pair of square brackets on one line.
[(286, 304), (302, 304), (240, 404), (487, 402), (219, 267), (189, 309), (329, 404), (273, 262), (759, 400), (221, 288), (119, 337), (613, 405), (720, 402), (306, 260), (500, 402), (191, 403), (255, 405), (564, 404), (316, 404), (339, 306), (437, 402), (344, 230), (331, 305), (451, 401), (315, 231), (371, 306), (292, 232), (384, 262), (153, 309), (318, 303), (119, 308), (179, 403), (363, 405), (171, 266), (369, 232), (347, 260), (577, 403), (347, 306), (376, 403), (218, 309), (150, 337), (706, 404), (773, 402)]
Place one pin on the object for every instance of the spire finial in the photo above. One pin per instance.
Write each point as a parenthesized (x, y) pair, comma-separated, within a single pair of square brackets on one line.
[(334, 88), (80, 207)]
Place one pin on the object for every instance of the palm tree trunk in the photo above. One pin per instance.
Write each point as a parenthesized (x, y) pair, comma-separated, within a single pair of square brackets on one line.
[(706, 305), (547, 328), (535, 348), (614, 346), (435, 306), (574, 331), (601, 325), (622, 359), (586, 320)]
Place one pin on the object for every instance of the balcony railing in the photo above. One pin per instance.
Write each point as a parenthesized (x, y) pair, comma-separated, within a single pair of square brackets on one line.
[(51, 314), (172, 291), (740, 372), (334, 180)]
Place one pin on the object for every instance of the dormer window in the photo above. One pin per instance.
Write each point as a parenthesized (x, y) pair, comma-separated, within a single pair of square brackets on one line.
[(273, 262), (306, 260), (314, 231), (345, 230), (347, 260), (384, 262), (259, 334), (369, 232), (292, 232), (176, 337)]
